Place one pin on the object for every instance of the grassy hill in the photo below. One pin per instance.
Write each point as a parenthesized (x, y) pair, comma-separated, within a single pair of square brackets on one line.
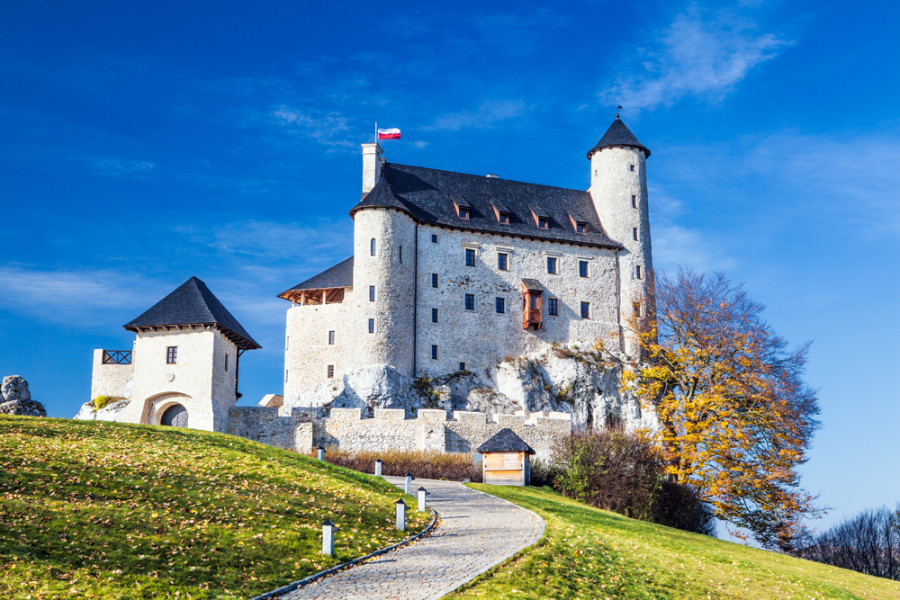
[(104, 510), (590, 553)]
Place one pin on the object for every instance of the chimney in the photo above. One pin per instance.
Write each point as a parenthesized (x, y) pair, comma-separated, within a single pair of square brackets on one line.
[(372, 163)]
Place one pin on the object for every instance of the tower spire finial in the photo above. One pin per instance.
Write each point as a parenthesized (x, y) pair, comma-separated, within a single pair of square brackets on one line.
[(618, 108)]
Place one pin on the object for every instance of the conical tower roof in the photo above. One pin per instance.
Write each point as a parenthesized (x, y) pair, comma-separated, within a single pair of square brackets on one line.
[(618, 135), (193, 304)]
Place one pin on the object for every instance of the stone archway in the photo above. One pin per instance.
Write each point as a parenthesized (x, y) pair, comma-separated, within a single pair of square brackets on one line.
[(175, 415)]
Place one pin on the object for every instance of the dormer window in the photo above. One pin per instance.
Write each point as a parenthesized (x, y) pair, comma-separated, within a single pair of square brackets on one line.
[(463, 209), (543, 223), (581, 227), (463, 212), (503, 218)]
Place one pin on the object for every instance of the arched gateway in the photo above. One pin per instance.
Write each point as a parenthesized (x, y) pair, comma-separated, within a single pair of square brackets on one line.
[(175, 416)]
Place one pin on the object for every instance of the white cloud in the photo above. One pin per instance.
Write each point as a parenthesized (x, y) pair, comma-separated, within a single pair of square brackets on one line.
[(309, 242), (695, 56), (329, 129), (487, 115), (675, 246), (117, 167)]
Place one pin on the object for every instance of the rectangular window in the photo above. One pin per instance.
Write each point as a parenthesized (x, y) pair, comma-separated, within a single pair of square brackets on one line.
[(226, 363), (470, 257), (463, 212), (553, 307), (434, 315), (330, 371), (583, 268), (434, 238), (372, 247), (637, 309), (503, 261), (470, 301), (500, 305), (433, 352), (434, 280), (504, 218), (371, 325), (631, 167), (634, 233), (637, 271), (633, 201), (332, 337), (585, 310), (171, 355), (462, 366), (551, 265), (543, 222), (534, 302), (371, 293), (581, 227)]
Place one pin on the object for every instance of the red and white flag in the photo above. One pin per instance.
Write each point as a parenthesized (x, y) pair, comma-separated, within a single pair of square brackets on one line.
[(389, 134)]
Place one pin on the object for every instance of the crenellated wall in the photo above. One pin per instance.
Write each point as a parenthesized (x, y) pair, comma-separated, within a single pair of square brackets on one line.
[(388, 429)]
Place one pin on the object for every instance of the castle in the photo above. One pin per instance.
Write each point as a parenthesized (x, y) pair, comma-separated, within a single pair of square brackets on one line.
[(451, 274)]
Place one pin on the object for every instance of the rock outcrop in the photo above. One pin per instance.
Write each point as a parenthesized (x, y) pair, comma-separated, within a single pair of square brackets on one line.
[(585, 383), (15, 398), (113, 411)]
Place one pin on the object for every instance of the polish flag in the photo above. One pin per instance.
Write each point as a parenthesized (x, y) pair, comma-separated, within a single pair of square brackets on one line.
[(389, 134)]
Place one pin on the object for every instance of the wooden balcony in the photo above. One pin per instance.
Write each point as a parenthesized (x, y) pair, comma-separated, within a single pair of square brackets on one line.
[(531, 304)]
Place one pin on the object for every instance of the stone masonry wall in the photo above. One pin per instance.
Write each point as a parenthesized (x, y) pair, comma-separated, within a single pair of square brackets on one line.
[(388, 429)]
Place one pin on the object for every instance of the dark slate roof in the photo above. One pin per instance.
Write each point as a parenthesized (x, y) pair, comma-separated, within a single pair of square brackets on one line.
[(505, 440), (427, 195), (533, 285), (338, 276), (193, 304), (618, 135)]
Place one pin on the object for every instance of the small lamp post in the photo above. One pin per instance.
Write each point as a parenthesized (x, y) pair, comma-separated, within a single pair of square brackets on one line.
[(401, 514), (422, 493), (321, 455), (328, 529), (408, 488), (378, 465)]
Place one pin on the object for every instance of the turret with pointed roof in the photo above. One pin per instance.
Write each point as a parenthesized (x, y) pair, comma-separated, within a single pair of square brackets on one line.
[(193, 304), (618, 134)]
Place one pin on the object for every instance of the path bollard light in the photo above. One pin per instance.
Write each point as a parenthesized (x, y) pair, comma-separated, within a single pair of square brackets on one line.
[(422, 492), (401, 515), (409, 478), (321, 452), (328, 529), (378, 465)]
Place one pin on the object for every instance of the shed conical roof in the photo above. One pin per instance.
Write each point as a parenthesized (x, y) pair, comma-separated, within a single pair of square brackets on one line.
[(618, 135), (505, 440), (193, 304)]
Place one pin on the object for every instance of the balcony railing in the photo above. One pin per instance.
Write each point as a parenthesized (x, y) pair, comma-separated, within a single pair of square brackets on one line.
[(117, 357)]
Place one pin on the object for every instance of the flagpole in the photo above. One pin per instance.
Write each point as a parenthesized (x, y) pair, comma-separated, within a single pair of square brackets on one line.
[(376, 132)]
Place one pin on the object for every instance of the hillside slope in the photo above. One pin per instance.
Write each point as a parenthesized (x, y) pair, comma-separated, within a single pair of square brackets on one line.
[(591, 553), (105, 510)]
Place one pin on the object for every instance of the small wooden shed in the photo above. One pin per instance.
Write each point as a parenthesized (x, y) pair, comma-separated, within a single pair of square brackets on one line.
[(506, 459)]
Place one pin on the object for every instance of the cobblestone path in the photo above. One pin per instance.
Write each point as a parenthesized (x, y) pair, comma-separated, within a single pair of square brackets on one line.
[(476, 532)]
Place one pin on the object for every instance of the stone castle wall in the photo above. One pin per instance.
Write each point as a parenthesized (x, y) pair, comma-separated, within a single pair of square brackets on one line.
[(389, 429)]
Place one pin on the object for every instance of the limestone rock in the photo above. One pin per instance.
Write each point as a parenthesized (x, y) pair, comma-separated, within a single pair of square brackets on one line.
[(15, 399), (114, 411)]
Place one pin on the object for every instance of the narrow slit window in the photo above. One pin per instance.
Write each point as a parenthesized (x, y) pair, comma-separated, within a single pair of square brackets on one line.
[(633, 201), (585, 310), (434, 315), (226, 363), (553, 307), (433, 352), (637, 309), (285, 375), (500, 305), (503, 261), (637, 271), (372, 247), (470, 257), (371, 293), (470, 302), (330, 371), (583, 269), (371, 325), (434, 280), (171, 355), (400, 250), (287, 342), (551, 265), (332, 337), (631, 167), (634, 233)]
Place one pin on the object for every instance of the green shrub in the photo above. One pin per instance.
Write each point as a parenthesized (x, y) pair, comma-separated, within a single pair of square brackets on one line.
[(100, 402)]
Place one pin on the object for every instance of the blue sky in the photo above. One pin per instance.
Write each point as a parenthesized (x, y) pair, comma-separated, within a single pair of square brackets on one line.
[(141, 144)]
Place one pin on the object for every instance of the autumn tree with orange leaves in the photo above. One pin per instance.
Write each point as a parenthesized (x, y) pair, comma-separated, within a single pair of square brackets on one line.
[(736, 418)]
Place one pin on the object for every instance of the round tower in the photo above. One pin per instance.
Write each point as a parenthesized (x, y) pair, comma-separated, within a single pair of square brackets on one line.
[(619, 192), (383, 317)]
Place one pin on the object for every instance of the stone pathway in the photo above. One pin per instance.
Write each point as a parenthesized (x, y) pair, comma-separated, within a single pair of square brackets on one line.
[(476, 532)]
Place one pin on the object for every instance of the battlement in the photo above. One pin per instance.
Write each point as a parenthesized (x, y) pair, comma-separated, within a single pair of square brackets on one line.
[(390, 429)]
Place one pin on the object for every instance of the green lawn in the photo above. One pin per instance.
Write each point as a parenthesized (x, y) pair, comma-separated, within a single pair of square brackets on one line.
[(591, 553), (104, 510)]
